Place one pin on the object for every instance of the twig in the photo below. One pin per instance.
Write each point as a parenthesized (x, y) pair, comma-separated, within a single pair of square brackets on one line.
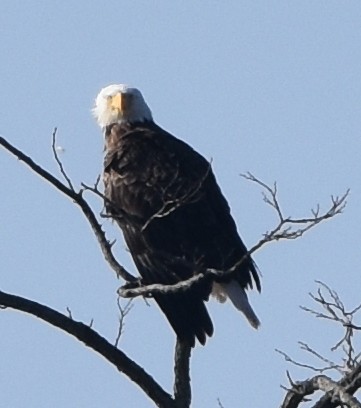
[(331, 365), (123, 311), (60, 164), (70, 315), (308, 366), (284, 229), (187, 197)]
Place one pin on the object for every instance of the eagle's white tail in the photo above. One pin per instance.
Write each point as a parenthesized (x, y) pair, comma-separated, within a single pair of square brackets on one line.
[(238, 297)]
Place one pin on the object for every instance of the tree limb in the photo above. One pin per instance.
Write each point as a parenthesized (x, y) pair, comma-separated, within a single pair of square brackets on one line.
[(182, 380), (93, 340), (351, 382), (336, 393), (77, 198)]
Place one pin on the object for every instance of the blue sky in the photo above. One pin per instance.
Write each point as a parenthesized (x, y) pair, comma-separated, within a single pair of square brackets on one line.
[(271, 87)]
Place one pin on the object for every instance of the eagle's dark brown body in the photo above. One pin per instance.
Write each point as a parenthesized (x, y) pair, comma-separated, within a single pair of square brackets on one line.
[(174, 218)]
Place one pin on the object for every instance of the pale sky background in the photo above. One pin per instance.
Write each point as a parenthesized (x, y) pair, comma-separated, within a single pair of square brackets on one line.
[(271, 87)]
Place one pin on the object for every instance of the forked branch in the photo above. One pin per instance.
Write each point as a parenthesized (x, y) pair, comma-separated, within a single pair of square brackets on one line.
[(290, 227), (338, 392), (77, 198), (286, 228)]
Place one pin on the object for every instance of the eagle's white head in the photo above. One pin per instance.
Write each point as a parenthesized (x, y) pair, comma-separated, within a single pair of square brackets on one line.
[(120, 104)]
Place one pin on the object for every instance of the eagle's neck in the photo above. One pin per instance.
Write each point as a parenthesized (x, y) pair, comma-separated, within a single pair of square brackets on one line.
[(122, 128), (115, 132)]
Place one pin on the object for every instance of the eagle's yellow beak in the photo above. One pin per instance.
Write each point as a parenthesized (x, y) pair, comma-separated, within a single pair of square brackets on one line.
[(116, 102)]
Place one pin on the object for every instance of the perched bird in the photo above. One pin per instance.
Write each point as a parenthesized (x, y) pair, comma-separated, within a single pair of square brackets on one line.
[(174, 217)]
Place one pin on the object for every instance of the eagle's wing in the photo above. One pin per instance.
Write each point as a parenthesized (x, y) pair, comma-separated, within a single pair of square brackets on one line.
[(137, 178)]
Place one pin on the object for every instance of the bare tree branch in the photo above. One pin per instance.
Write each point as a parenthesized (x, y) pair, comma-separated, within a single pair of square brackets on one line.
[(94, 341), (123, 312), (77, 198), (336, 393), (330, 365), (335, 311), (188, 196), (287, 228)]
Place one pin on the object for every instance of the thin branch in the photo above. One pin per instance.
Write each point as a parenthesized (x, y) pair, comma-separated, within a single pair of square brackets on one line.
[(334, 310), (80, 201), (287, 358), (220, 405), (331, 365), (94, 189), (60, 164), (94, 341), (123, 312), (70, 315), (292, 228), (170, 205)]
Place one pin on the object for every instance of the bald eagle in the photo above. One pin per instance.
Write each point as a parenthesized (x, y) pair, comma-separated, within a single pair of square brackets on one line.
[(174, 217)]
